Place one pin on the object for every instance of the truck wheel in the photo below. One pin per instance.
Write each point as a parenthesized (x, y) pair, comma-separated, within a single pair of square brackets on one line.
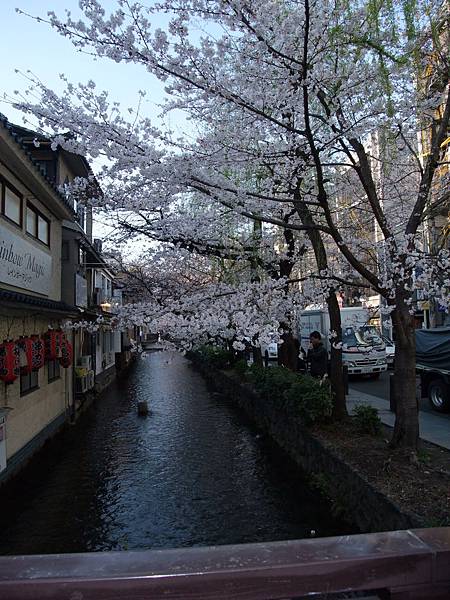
[(439, 395)]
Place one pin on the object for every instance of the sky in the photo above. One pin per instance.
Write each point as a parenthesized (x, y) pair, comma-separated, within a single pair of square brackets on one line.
[(26, 44)]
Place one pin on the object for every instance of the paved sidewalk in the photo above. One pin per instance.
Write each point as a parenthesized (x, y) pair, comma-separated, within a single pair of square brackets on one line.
[(433, 428)]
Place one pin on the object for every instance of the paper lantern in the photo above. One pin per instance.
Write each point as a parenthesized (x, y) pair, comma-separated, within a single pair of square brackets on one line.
[(52, 343), (9, 361), (66, 353), (32, 354)]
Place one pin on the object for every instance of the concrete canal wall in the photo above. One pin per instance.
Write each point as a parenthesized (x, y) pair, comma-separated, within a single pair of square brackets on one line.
[(352, 496)]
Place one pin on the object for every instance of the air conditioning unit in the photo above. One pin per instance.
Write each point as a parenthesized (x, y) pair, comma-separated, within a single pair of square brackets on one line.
[(85, 362), (81, 384)]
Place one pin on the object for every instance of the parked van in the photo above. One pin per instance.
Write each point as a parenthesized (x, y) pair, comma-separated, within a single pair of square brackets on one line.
[(363, 350)]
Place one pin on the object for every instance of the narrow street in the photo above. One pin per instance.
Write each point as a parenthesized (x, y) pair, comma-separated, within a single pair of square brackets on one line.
[(194, 472), (380, 388)]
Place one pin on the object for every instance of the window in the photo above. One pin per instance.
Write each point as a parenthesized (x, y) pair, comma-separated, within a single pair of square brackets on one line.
[(80, 215), (43, 230), (81, 257), (28, 382), (11, 204), (54, 371), (37, 225), (31, 221), (108, 342)]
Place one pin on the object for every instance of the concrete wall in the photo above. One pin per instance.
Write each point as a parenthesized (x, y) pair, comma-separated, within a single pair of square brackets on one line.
[(105, 378), (357, 500)]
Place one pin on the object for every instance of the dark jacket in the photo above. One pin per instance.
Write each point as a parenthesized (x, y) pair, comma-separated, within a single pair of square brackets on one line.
[(318, 361)]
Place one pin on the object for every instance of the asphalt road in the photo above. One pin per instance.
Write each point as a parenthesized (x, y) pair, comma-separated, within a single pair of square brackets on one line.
[(380, 387)]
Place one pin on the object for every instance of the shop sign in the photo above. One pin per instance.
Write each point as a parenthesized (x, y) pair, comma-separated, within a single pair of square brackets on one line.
[(23, 264)]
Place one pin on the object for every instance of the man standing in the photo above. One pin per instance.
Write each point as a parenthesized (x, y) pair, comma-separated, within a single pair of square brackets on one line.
[(317, 356)]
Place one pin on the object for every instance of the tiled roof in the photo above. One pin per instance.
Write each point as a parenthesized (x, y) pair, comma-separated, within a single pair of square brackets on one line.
[(19, 140), (43, 303)]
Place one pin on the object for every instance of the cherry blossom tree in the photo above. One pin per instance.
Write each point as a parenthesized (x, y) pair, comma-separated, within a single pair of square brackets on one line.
[(311, 117)]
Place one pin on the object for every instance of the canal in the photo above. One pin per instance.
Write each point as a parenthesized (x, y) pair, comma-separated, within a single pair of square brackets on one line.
[(193, 472)]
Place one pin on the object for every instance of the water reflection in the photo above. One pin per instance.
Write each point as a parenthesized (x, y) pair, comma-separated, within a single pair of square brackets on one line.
[(194, 472)]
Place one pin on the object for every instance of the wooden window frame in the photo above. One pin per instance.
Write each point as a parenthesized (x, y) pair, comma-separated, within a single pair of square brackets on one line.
[(38, 213), (29, 390), (55, 363), (3, 185)]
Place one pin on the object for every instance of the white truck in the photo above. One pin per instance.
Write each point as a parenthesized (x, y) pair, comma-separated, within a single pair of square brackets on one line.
[(363, 350)]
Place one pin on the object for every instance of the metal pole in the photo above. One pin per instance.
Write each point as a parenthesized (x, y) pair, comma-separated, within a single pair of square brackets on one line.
[(345, 378), (392, 401)]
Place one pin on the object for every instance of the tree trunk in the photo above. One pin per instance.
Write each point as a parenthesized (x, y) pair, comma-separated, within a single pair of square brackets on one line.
[(288, 352), (336, 370), (406, 428), (257, 356)]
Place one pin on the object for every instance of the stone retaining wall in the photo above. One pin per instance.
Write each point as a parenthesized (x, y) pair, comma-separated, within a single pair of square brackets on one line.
[(354, 497)]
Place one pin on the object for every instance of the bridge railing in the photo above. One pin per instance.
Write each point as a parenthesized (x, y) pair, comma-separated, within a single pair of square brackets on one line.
[(413, 565)]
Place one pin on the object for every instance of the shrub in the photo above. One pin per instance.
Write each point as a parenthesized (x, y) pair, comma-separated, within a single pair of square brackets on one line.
[(241, 366), (310, 399), (215, 356), (257, 376), (366, 419), (277, 381), (271, 382)]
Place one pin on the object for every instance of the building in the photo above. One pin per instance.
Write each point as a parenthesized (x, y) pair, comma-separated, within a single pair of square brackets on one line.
[(52, 274), (434, 81), (36, 403), (87, 279)]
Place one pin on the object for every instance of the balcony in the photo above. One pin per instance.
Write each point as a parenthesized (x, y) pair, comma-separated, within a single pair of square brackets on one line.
[(401, 565)]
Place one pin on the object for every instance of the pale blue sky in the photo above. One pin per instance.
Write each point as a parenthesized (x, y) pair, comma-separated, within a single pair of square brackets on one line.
[(26, 44)]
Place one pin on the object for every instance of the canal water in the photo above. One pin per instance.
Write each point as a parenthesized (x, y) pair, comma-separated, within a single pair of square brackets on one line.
[(193, 472)]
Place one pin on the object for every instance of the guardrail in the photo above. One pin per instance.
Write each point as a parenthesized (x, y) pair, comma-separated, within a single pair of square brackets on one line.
[(413, 565)]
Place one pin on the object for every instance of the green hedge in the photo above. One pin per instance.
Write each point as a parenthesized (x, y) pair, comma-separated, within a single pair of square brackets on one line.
[(310, 399), (303, 396), (215, 356)]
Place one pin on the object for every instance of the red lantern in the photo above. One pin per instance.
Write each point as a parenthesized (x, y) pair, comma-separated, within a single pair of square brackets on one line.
[(32, 349), (9, 361), (66, 353), (38, 358), (52, 341)]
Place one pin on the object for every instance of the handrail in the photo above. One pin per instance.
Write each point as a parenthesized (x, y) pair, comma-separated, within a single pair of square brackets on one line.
[(409, 564)]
